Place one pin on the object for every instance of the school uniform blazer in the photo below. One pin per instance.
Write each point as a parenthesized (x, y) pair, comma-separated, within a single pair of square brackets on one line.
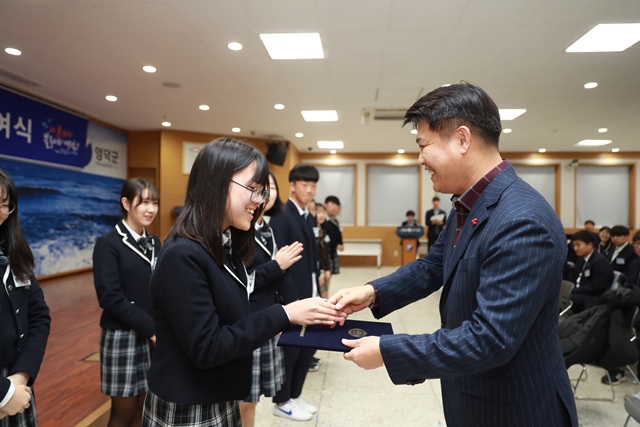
[(271, 282), (290, 227), (622, 260), (204, 327), (30, 322), (599, 276), (497, 353), (121, 274)]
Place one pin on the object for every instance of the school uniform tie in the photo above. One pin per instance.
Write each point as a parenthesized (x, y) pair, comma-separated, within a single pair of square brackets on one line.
[(145, 243)]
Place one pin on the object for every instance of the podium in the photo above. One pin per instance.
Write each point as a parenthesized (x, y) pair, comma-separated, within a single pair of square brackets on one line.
[(410, 237)]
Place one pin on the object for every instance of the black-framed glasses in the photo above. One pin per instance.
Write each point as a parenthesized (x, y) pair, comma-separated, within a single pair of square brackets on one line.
[(7, 209), (258, 194)]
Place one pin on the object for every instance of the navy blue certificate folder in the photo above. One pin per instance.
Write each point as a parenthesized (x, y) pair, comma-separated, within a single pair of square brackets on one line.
[(324, 338)]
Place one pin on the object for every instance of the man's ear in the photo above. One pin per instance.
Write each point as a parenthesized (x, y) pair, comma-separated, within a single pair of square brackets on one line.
[(464, 136)]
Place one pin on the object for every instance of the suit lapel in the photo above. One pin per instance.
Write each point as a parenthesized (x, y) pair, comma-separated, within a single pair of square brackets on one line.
[(480, 212), (127, 239)]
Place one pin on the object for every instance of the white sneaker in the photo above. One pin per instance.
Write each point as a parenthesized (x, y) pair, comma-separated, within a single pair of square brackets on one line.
[(304, 405), (291, 411)]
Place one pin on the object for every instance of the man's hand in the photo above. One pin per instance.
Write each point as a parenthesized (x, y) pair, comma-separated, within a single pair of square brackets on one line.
[(352, 300), (365, 352)]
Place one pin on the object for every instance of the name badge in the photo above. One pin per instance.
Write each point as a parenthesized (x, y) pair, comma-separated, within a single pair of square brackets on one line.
[(316, 231), (587, 273), (20, 284), (620, 261)]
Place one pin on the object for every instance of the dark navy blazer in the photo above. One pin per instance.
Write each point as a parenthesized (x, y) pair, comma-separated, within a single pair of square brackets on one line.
[(290, 227), (25, 323), (121, 274), (498, 353), (205, 330)]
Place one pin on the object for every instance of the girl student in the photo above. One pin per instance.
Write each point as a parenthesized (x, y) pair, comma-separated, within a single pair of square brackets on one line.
[(271, 286), (123, 260), (200, 291), (24, 316)]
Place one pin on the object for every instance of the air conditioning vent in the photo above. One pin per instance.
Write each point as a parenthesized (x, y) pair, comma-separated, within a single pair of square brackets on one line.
[(383, 114)]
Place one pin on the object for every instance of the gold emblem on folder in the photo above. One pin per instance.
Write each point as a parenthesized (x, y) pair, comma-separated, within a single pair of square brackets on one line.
[(357, 332)]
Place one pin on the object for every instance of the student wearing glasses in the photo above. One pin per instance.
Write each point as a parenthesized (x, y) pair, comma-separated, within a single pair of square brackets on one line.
[(24, 316), (200, 290), (123, 260)]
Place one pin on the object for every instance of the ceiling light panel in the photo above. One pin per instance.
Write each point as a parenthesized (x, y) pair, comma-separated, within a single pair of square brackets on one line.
[(607, 38), (320, 115), (511, 113), (293, 45), (331, 145), (592, 142), (13, 51)]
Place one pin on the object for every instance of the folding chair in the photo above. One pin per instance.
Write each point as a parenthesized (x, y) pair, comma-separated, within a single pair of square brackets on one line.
[(565, 297)]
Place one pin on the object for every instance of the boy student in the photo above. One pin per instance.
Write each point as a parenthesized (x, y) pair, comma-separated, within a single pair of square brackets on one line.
[(295, 225)]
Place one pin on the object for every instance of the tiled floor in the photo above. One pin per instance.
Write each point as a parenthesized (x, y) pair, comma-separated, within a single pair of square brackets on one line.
[(348, 395)]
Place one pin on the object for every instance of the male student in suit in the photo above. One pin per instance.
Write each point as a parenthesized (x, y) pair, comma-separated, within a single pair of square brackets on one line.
[(499, 266), (434, 219), (592, 273), (622, 253), (295, 225)]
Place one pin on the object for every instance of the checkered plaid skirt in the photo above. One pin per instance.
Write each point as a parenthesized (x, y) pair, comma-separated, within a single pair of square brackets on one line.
[(125, 358), (24, 419), (160, 413), (334, 262), (267, 374)]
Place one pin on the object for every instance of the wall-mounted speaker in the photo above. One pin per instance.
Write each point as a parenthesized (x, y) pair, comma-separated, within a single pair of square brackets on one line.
[(276, 153)]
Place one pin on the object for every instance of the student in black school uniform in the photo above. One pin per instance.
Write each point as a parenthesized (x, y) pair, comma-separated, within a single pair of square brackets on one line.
[(123, 260), (324, 251), (200, 290), (24, 316), (269, 266), (296, 225)]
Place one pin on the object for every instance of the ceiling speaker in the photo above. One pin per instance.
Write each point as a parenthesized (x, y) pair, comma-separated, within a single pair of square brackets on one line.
[(276, 153)]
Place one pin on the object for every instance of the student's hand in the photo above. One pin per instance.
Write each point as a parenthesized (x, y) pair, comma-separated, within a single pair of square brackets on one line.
[(19, 378), (312, 311), (153, 340), (289, 255), (352, 300), (340, 248), (20, 401), (365, 352)]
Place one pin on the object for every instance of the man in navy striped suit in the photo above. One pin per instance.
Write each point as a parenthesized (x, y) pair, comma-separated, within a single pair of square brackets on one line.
[(499, 266)]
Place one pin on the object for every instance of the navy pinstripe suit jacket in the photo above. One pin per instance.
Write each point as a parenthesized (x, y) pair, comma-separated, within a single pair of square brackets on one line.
[(497, 353)]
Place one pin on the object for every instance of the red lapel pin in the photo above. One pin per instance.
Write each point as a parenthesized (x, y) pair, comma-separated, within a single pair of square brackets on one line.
[(474, 221)]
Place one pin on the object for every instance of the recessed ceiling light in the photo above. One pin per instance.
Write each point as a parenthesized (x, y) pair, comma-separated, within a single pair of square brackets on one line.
[(507, 130), (111, 98), (542, 150), (279, 107), (149, 69), (602, 130), (333, 151), (13, 51), (592, 142), (234, 46), (236, 130), (590, 85), (400, 151), (319, 115), (414, 131), (511, 113), (299, 134), (607, 38), (615, 150), (446, 85), (166, 124), (293, 45), (337, 145), (204, 107)]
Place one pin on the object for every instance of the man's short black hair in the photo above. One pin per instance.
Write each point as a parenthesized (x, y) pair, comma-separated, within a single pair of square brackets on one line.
[(435, 199), (619, 230), (332, 199), (304, 172), (583, 236), (410, 213), (589, 222), (636, 236)]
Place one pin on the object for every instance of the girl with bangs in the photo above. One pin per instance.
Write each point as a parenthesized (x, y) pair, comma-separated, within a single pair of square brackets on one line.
[(200, 291)]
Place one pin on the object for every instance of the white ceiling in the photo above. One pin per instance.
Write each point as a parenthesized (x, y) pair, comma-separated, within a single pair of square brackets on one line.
[(378, 54)]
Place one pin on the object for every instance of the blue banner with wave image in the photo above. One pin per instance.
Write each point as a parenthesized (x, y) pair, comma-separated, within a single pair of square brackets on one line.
[(63, 212), (32, 130)]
